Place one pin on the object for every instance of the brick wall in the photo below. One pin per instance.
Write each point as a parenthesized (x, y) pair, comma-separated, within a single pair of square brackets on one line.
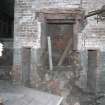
[(93, 37), (27, 34), (27, 28)]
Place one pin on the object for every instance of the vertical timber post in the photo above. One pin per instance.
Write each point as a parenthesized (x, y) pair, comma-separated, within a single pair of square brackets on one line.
[(50, 53)]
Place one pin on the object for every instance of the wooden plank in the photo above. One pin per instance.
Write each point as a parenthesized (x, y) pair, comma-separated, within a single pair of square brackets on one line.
[(65, 53), (61, 21), (50, 53)]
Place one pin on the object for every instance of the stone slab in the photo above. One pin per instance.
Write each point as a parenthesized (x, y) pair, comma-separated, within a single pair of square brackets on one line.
[(20, 95)]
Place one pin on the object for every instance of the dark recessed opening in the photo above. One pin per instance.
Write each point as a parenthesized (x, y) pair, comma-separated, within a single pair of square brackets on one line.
[(6, 37), (61, 33), (6, 18), (92, 69)]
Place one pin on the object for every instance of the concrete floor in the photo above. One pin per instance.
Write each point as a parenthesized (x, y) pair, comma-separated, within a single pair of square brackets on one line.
[(20, 95)]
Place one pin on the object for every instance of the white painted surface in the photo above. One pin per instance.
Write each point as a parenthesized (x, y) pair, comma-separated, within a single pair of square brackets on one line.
[(1, 49)]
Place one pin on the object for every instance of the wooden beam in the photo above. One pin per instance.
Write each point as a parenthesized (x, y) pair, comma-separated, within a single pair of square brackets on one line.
[(65, 53)]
